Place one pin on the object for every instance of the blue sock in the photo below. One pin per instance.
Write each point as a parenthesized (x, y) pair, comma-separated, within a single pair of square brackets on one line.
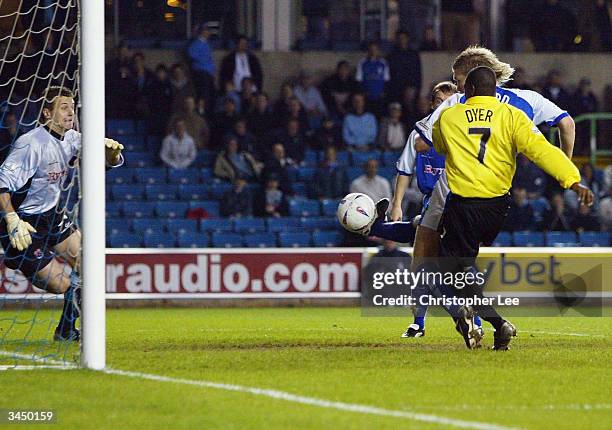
[(420, 321), (72, 305), (420, 310), (398, 231)]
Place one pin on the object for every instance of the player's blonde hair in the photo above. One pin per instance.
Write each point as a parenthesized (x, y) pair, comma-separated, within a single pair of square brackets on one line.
[(474, 56)]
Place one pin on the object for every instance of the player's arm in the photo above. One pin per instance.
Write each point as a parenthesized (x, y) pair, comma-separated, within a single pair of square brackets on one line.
[(567, 135), (546, 111), (530, 142), (18, 168), (424, 127), (439, 143), (405, 169), (401, 185)]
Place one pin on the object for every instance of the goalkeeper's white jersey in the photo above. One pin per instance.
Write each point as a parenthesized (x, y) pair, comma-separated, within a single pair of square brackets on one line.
[(36, 168)]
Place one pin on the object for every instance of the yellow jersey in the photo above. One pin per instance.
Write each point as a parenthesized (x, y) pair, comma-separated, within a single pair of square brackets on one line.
[(481, 138)]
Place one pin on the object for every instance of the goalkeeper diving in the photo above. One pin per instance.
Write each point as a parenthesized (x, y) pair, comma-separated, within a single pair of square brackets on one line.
[(34, 229)]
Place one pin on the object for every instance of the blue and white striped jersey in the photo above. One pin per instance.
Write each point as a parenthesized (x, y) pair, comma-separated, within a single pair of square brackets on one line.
[(537, 108)]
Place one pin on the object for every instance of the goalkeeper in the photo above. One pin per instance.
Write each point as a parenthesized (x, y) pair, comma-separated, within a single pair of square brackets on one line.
[(34, 230)]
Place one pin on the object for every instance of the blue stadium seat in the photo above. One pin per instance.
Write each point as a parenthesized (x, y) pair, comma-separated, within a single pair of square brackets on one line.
[(140, 159), (595, 238), (181, 225), (275, 225), (122, 175), (249, 225), (504, 238), (173, 209), (292, 173), (307, 173), (299, 188), (353, 173), (157, 239), (260, 240), (184, 176), (528, 238), (561, 238), (226, 240), (113, 209), (311, 158), (192, 192), (208, 175), (216, 225), (204, 158), (319, 223), (294, 240), (327, 238), (360, 158), (125, 240), (217, 189), (141, 127), (144, 225), (387, 172), (134, 142), (210, 206), (539, 206), (193, 240), (329, 207), (127, 192), (302, 207), (154, 143), (135, 209), (390, 158), (150, 175), (120, 127), (117, 226), (161, 192), (342, 157)]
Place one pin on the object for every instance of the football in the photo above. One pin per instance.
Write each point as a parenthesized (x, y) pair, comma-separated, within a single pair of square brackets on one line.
[(356, 212)]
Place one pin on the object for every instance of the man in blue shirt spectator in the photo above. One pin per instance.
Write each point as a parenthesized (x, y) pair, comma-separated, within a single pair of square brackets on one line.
[(373, 73), (203, 66), (359, 129)]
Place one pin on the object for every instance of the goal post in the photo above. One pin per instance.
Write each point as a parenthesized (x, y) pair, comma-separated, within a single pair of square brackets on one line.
[(93, 187)]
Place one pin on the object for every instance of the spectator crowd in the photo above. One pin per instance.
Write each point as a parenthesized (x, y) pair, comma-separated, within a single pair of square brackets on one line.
[(223, 110)]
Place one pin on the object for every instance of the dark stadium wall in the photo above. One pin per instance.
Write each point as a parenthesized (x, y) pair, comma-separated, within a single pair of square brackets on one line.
[(281, 66)]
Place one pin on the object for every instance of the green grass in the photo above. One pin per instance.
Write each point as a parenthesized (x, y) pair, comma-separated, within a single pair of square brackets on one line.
[(546, 381)]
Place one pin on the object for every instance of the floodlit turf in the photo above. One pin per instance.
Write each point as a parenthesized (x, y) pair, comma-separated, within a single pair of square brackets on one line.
[(547, 381)]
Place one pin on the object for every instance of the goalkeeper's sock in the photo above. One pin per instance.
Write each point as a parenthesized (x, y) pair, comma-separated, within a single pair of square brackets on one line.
[(72, 306), (399, 231)]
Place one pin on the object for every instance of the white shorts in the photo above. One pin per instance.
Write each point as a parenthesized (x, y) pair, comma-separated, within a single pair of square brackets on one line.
[(432, 214)]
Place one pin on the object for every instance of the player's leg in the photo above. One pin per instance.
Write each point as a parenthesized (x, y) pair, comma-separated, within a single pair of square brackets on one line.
[(398, 231), (467, 223), (69, 249)]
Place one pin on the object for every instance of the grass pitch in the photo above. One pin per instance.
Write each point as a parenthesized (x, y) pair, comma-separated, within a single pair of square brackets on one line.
[(556, 375)]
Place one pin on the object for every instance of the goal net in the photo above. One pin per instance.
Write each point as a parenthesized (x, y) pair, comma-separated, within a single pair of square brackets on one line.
[(39, 46)]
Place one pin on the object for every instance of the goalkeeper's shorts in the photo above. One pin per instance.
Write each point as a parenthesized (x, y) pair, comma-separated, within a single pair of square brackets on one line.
[(51, 228)]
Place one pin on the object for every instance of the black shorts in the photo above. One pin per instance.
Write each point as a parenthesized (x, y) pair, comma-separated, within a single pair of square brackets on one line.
[(469, 222), (51, 228)]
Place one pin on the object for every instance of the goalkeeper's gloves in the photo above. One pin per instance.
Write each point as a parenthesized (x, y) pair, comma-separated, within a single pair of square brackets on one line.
[(113, 151), (18, 231)]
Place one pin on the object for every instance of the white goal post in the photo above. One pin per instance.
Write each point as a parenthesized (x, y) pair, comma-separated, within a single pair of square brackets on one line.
[(93, 169)]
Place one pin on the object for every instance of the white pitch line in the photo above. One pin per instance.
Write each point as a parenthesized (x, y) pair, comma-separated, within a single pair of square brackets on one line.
[(38, 366), (313, 401), (560, 333), (555, 333)]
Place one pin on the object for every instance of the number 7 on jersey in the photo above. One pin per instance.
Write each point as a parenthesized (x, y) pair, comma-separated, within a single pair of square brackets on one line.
[(486, 134)]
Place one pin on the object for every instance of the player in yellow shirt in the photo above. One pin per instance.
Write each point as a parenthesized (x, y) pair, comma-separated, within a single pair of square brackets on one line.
[(480, 140)]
